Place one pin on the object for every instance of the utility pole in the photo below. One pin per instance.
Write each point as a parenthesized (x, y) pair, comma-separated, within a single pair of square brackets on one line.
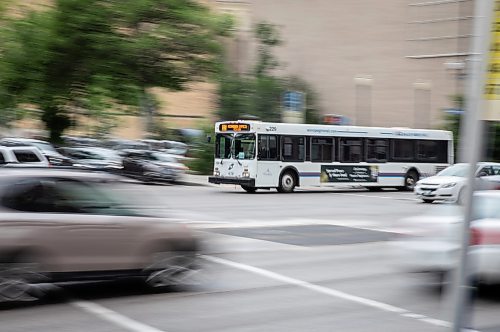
[(470, 151)]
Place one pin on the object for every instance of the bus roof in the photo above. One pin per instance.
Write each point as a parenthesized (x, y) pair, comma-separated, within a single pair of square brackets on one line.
[(242, 126)]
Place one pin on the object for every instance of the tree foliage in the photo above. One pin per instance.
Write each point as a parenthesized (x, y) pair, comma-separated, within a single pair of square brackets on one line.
[(78, 55), (259, 93)]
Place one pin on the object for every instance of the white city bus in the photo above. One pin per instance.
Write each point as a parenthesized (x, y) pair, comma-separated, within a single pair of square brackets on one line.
[(256, 155)]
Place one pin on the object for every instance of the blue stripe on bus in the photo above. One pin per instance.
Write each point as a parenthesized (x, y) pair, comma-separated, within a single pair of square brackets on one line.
[(352, 132), (391, 175), (309, 174)]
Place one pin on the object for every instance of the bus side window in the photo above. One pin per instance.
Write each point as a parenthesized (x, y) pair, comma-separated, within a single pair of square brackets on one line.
[(376, 150), (293, 148), (268, 147), (350, 150), (403, 150)]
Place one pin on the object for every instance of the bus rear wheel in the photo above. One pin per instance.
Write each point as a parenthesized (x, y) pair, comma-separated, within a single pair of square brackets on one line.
[(248, 189), (287, 183), (411, 179)]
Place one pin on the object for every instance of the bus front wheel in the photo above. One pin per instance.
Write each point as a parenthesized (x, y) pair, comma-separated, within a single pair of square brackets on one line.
[(287, 183), (249, 189)]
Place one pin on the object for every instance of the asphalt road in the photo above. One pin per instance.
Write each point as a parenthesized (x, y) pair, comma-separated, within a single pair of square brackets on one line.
[(316, 260)]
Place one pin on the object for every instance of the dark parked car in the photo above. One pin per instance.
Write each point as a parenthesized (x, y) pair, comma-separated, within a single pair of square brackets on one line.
[(151, 166), (94, 158)]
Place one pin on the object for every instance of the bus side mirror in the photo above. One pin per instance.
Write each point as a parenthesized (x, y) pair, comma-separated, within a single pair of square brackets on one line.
[(209, 138)]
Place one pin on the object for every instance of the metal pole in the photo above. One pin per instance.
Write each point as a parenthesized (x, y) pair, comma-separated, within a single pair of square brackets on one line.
[(470, 150)]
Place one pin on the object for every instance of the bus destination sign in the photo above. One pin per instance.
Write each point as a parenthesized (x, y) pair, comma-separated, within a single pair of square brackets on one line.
[(234, 127)]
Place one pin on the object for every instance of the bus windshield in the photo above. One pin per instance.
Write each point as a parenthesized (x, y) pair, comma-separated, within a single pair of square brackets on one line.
[(223, 146), (244, 146), (239, 146)]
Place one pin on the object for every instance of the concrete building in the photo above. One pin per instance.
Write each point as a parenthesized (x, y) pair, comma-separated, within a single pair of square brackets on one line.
[(381, 63)]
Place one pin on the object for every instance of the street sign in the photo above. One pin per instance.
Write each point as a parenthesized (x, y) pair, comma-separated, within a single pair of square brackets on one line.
[(293, 101), (294, 106)]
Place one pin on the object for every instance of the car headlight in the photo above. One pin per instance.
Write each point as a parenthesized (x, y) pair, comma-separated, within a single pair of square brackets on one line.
[(449, 185)]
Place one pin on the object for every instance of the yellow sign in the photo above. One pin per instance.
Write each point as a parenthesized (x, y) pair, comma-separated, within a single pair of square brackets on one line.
[(492, 89), (234, 127)]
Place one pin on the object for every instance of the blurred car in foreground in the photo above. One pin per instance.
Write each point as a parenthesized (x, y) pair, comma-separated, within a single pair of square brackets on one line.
[(449, 184), (431, 242), (19, 155), (152, 166), (66, 225), (54, 157), (94, 158)]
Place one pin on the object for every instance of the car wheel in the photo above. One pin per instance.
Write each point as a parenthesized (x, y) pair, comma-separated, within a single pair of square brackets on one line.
[(17, 278), (411, 179), (249, 189), (170, 268), (427, 200), (287, 183)]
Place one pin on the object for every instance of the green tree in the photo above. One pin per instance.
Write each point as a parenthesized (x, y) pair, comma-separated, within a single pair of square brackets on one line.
[(203, 151), (78, 54), (259, 94)]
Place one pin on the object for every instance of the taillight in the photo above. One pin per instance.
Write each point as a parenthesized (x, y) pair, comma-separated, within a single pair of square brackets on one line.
[(475, 237), (484, 237)]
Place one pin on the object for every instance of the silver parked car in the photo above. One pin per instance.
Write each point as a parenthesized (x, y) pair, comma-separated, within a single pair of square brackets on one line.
[(63, 225)]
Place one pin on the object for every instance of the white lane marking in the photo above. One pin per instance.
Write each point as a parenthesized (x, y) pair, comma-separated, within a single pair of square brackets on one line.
[(328, 291), (384, 197), (113, 317)]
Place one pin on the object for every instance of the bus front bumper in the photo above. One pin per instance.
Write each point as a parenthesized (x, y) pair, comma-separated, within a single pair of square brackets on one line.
[(229, 180)]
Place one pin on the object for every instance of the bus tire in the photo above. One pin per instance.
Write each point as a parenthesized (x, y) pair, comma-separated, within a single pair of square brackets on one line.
[(411, 179), (287, 183), (248, 189)]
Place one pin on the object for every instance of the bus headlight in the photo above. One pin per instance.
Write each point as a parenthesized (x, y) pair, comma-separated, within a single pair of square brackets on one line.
[(246, 173), (216, 172)]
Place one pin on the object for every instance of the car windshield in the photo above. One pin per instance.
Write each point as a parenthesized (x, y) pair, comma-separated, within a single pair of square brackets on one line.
[(459, 170)]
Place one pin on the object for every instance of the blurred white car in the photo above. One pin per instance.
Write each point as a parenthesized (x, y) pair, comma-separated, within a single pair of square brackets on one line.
[(430, 243), (19, 155), (448, 185)]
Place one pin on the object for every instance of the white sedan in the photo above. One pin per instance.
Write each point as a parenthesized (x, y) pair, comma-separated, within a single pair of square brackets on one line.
[(448, 185), (431, 242)]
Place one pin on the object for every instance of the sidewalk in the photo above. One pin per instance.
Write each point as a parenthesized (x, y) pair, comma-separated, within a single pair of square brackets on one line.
[(196, 180)]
